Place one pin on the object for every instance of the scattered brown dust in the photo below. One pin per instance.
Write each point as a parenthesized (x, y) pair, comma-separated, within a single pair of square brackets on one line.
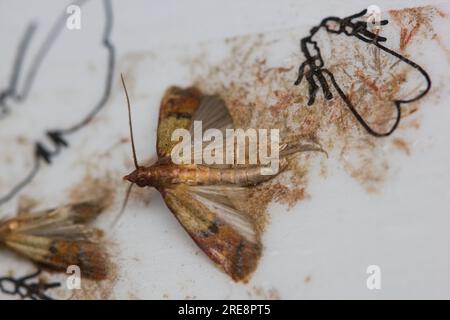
[(261, 95), (266, 294), (307, 279), (402, 145), (415, 23), (97, 290), (101, 188)]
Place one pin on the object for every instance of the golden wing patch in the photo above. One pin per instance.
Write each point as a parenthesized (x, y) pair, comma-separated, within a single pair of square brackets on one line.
[(177, 109), (227, 236), (58, 238)]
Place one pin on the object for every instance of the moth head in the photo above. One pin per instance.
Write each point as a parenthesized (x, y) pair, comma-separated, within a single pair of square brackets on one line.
[(7, 227), (138, 176)]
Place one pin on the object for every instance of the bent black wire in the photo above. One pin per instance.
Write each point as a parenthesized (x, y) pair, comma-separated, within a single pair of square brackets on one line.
[(57, 136), (316, 68), (11, 91), (25, 288)]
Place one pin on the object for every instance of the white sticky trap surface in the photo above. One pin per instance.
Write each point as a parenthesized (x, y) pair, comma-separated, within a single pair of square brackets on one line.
[(319, 248)]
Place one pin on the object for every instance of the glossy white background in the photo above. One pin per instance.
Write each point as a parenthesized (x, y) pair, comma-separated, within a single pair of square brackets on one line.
[(329, 239)]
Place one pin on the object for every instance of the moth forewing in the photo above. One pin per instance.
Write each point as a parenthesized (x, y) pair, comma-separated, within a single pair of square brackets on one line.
[(73, 214), (176, 112), (59, 238)]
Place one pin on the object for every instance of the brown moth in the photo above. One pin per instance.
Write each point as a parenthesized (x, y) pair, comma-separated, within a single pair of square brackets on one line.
[(204, 198), (58, 238)]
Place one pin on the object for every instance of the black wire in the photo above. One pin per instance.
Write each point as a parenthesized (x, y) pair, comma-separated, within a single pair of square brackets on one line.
[(110, 73), (11, 90), (16, 189), (57, 135), (43, 51), (315, 66), (27, 289)]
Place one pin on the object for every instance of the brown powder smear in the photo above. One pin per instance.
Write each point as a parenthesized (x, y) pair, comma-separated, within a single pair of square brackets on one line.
[(402, 145), (95, 290), (90, 289), (266, 294), (262, 95), (307, 279), (101, 188), (415, 23)]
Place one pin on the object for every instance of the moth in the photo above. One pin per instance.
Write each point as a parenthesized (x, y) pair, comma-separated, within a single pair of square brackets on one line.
[(368, 90), (206, 198), (57, 238)]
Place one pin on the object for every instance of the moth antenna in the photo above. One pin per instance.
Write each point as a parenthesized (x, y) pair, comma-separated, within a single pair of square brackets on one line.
[(124, 205), (130, 123)]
